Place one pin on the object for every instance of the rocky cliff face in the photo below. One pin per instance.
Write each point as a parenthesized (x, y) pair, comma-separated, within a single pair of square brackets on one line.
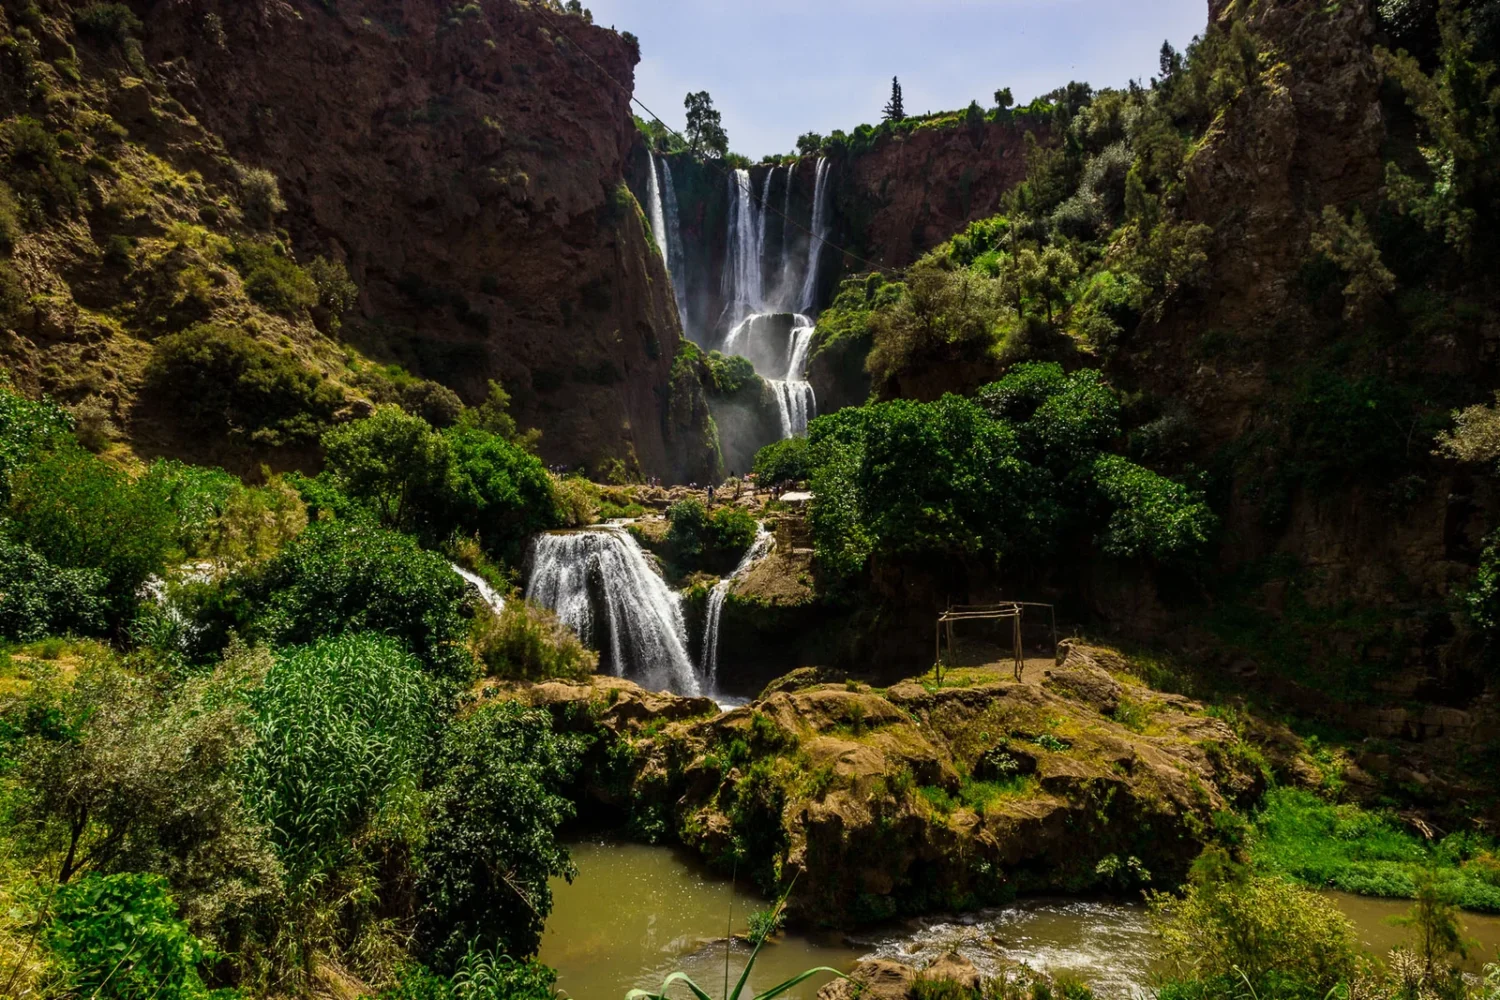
[(908, 193), (467, 162)]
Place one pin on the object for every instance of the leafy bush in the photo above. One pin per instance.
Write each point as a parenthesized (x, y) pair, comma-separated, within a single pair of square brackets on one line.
[(783, 462), (339, 576), (42, 599), (527, 643), (113, 21), (493, 842), (337, 294), (340, 728), (698, 540), (36, 170), (223, 382), (27, 429), (79, 512), (464, 480), (1282, 939), (118, 937), (272, 279), (480, 975), (261, 196), (1153, 515), (730, 374), (10, 220)]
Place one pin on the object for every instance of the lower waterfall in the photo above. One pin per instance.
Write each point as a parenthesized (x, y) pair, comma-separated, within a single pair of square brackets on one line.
[(602, 585), (716, 598), (487, 593)]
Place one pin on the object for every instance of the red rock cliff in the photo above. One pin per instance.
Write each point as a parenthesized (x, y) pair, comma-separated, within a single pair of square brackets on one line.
[(467, 162)]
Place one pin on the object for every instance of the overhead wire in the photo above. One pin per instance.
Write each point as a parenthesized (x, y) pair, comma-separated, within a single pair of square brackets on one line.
[(765, 205)]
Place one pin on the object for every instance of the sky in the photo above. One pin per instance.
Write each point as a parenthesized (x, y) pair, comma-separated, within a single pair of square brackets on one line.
[(779, 68)]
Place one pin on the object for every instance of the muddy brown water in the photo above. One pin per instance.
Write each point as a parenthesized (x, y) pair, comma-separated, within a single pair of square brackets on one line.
[(636, 914)]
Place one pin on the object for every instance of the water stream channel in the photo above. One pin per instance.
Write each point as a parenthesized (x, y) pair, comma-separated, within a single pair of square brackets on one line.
[(636, 914)]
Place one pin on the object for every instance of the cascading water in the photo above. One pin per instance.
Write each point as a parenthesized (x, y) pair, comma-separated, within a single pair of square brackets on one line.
[(661, 192), (638, 623), (487, 593), (716, 598), (749, 302), (820, 226)]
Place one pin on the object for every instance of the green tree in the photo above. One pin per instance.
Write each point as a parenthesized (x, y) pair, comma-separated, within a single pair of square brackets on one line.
[(705, 126), (80, 512), (895, 109), (339, 576), (783, 461), (1004, 100), (44, 600), (27, 430), (394, 461), (493, 842), (1437, 933)]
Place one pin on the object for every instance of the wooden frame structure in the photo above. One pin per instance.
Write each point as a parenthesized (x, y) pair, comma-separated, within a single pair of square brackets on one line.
[(1013, 610)]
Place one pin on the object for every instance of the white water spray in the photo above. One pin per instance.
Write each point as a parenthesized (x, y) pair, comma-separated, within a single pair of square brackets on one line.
[(639, 621), (820, 227), (716, 598), (487, 593)]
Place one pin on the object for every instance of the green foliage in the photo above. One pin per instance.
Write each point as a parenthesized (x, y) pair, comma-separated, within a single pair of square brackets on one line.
[(493, 844), (260, 194), (337, 294), (35, 169), (1439, 940), (731, 374), (42, 599), (79, 512), (27, 429), (481, 975), (465, 479), (339, 576), (272, 279), (1153, 515), (221, 381), (118, 937), (946, 315), (112, 21), (1299, 835), (712, 542), (786, 461), (10, 220), (705, 126), (527, 643), (1231, 926), (341, 728)]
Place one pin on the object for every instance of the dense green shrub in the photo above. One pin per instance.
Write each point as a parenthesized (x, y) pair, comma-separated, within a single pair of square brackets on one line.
[(261, 196), (118, 937), (222, 381), (480, 975), (493, 842), (1152, 515), (272, 279), (27, 429), (783, 462), (42, 600), (80, 512), (465, 480), (713, 542), (526, 643), (10, 220), (113, 21), (341, 728), (339, 576), (36, 169), (1231, 927), (730, 374)]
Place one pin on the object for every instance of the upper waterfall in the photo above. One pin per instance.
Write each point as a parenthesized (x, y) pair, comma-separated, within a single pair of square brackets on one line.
[(666, 227), (600, 583)]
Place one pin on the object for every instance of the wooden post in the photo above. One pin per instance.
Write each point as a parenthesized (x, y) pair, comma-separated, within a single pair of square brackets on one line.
[(1020, 652)]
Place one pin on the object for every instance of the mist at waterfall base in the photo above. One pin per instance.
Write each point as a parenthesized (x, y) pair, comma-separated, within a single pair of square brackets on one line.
[(601, 584), (769, 288)]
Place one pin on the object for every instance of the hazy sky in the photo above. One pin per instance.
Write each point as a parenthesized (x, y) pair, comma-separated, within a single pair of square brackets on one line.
[(778, 68)]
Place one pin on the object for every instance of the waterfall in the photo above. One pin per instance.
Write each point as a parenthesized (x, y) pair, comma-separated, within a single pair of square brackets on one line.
[(487, 593), (820, 227), (750, 304), (639, 623), (744, 284), (676, 258), (716, 598), (661, 192), (658, 214)]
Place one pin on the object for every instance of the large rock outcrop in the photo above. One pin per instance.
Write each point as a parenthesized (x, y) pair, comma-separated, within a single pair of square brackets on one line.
[(468, 163)]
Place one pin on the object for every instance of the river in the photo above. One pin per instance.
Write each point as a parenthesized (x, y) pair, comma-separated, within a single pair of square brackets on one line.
[(636, 913)]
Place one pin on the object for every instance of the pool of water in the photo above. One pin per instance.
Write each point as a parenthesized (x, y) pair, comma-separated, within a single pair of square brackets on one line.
[(636, 914)]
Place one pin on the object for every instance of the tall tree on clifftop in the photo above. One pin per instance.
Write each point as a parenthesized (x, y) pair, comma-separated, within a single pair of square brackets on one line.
[(705, 127), (895, 111)]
